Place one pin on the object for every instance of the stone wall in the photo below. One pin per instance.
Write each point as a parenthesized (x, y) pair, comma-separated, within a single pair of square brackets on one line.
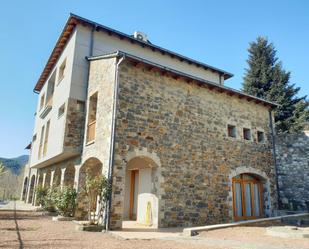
[(74, 128), (101, 82), (293, 170), (185, 126)]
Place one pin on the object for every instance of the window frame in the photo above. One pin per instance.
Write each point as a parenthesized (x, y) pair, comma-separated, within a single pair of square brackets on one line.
[(61, 71), (245, 130), (258, 137), (233, 129)]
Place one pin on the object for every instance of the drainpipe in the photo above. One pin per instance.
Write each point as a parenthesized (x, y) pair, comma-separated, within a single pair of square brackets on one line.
[(112, 146), (274, 152)]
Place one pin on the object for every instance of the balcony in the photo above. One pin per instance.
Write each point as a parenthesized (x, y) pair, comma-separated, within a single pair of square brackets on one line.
[(47, 108)]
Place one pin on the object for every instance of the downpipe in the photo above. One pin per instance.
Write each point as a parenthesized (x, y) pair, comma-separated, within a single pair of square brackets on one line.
[(274, 153)]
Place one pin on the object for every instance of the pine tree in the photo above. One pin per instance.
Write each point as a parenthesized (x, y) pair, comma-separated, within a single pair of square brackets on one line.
[(265, 78)]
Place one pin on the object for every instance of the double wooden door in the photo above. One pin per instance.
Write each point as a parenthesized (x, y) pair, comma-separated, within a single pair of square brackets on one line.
[(247, 197)]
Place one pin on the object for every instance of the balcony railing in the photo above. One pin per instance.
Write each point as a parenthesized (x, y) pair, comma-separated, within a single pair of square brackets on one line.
[(91, 131)]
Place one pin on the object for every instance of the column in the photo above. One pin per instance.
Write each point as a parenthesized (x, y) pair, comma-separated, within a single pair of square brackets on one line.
[(52, 178), (62, 177), (44, 179), (76, 177)]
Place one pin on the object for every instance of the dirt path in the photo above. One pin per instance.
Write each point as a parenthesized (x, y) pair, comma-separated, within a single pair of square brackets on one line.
[(32, 230)]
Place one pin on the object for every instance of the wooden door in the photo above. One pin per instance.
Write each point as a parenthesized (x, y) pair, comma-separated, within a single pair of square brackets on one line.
[(133, 193), (247, 197)]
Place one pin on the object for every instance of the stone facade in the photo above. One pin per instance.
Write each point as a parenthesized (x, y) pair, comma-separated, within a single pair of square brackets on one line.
[(293, 170), (74, 127), (185, 126), (101, 82)]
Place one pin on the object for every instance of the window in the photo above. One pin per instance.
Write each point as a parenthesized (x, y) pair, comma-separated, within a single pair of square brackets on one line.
[(62, 70), (46, 139), (34, 138), (260, 136), (80, 106), (42, 101), (50, 89), (231, 130), (41, 142), (61, 110), (247, 134), (92, 115)]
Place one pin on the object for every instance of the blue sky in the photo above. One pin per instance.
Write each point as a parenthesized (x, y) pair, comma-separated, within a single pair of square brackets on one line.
[(215, 32)]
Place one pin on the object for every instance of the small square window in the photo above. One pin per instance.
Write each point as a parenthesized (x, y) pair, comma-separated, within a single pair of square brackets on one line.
[(231, 130), (34, 138), (260, 136), (247, 134), (61, 110)]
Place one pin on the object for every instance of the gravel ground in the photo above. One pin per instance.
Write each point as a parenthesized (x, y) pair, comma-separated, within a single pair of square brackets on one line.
[(253, 237), (31, 230)]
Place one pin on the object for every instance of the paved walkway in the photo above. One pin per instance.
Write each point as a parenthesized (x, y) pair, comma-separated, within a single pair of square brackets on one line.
[(18, 205)]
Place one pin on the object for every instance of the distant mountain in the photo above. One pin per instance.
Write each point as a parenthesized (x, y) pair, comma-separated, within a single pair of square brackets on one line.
[(15, 165)]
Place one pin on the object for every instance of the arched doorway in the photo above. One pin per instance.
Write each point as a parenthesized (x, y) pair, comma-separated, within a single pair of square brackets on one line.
[(24, 193), (31, 189), (141, 201), (247, 197)]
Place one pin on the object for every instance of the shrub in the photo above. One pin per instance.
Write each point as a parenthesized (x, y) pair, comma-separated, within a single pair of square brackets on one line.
[(41, 193), (65, 201), (49, 200)]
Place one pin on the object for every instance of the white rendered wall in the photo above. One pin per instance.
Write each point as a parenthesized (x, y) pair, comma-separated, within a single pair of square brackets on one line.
[(103, 44), (61, 95), (145, 196)]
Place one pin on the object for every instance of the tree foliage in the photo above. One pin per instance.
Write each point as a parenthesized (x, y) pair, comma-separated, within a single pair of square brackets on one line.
[(97, 190), (266, 78), (65, 201)]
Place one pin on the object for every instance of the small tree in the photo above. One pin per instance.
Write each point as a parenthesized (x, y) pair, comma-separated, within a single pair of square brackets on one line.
[(41, 193), (96, 190)]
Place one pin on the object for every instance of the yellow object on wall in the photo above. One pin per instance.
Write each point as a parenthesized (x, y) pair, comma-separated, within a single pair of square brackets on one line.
[(148, 218)]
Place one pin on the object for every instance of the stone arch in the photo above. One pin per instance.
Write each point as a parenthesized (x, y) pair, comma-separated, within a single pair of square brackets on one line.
[(31, 189), (141, 194), (57, 177), (47, 178), (144, 153), (39, 178), (262, 176), (24, 192), (69, 175), (92, 166)]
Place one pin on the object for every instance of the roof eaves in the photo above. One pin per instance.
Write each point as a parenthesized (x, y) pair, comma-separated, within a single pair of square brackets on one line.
[(226, 74), (209, 83)]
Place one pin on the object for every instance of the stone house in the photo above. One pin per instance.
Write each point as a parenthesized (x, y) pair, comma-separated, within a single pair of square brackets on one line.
[(179, 147)]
